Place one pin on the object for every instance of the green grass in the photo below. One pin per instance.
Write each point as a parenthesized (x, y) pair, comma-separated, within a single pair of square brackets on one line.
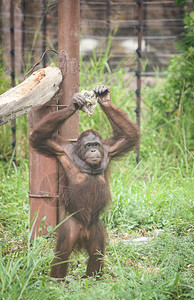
[(153, 199), (147, 201)]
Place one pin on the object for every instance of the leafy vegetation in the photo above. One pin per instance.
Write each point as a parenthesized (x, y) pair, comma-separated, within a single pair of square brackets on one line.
[(150, 223), (172, 105)]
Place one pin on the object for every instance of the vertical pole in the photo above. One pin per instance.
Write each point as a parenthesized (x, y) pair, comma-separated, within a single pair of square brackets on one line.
[(12, 52), (42, 184), (108, 28), (42, 181), (108, 18), (68, 49), (139, 67), (44, 25), (23, 35)]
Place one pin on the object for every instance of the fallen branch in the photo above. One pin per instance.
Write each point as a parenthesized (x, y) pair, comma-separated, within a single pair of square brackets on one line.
[(36, 90)]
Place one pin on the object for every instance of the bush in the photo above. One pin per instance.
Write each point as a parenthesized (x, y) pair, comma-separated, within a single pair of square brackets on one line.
[(170, 102)]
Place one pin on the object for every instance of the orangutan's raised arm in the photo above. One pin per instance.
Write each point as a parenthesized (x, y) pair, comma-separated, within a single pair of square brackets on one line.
[(126, 134), (43, 137)]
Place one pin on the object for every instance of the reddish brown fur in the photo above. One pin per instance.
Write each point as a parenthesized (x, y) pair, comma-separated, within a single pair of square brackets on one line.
[(86, 190)]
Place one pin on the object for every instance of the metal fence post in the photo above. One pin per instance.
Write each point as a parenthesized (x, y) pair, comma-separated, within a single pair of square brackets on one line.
[(139, 68), (12, 53), (68, 60), (42, 179)]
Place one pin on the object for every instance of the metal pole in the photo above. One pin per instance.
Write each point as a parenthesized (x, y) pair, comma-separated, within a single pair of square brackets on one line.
[(139, 67), (108, 11), (42, 182), (12, 52), (68, 49), (44, 25), (108, 27), (23, 34)]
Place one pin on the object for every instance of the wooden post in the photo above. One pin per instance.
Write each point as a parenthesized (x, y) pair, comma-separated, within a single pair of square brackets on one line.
[(68, 49)]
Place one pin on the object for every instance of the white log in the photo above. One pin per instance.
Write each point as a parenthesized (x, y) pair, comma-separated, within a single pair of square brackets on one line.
[(36, 90)]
